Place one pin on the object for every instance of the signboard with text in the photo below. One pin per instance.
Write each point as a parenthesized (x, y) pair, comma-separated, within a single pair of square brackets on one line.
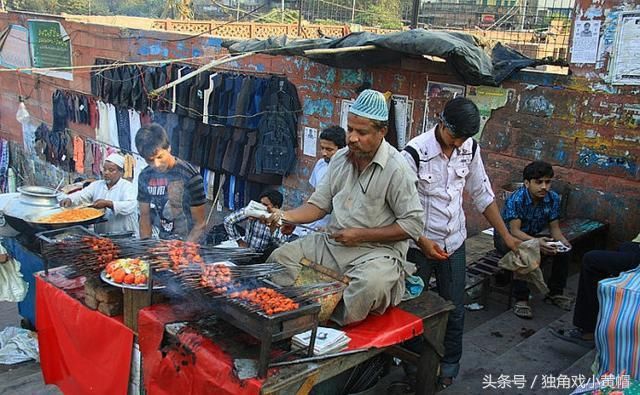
[(50, 48)]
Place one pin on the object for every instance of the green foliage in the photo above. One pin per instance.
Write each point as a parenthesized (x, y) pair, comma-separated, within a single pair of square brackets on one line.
[(277, 16), (385, 15), (145, 8)]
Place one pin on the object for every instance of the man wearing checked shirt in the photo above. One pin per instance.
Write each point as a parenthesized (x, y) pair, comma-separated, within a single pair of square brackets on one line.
[(447, 162)]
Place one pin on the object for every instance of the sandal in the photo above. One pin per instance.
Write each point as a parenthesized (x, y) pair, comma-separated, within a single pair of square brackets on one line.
[(564, 302), (522, 310), (444, 382), (574, 335)]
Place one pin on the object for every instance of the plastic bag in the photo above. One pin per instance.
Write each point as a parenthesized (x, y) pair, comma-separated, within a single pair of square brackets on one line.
[(414, 285), (12, 287), (18, 345)]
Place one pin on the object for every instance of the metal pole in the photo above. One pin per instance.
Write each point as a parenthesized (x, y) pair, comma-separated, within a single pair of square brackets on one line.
[(524, 13), (414, 15), (299, 18), (353, 11), (238, 11), (282, 11)]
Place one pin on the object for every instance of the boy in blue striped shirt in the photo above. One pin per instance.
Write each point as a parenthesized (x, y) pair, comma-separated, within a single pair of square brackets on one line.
[(527, 212)]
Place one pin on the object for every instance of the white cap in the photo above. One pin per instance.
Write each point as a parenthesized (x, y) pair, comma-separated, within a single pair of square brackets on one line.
[(116, 159), (372, 105)]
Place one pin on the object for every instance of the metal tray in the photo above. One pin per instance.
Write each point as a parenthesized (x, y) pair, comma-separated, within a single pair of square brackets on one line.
[(103, 277)]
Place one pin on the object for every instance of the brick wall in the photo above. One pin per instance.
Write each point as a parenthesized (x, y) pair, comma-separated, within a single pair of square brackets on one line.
[(587, 129)]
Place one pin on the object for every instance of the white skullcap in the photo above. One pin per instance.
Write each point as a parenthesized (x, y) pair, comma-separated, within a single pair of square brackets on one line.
[(372, 105), (116, 159)]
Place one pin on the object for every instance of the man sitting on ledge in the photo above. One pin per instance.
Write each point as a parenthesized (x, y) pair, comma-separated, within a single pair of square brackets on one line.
[(375, 209)]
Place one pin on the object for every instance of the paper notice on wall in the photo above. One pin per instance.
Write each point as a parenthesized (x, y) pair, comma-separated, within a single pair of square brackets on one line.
[(344, 112), (403, 113), (584, 48), (310, 141), (623, 67), (487, 98)]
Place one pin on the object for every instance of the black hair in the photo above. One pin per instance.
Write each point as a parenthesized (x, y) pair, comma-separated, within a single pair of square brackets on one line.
[(149, 139), (335, 134), (536, 170), (274, 196), (461, 116)]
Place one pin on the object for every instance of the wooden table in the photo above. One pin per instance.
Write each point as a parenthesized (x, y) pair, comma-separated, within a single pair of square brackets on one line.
[(433, 310)]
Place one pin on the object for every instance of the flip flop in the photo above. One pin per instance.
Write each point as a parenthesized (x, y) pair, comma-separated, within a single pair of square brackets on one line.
[(523, 310), (564, 302), (573, 335)]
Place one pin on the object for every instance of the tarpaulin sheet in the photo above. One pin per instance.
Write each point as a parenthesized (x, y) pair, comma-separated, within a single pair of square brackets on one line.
[(82, 351), (196, 366), (463, 53), (392, 327)]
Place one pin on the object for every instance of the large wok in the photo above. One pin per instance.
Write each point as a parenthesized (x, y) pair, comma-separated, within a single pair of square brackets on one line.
[(35, 220)]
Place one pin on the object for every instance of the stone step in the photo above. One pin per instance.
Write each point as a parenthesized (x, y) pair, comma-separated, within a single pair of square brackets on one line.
[(534, 359)]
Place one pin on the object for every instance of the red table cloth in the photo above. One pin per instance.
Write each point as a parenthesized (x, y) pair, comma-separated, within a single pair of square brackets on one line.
[(199, 366), (82, 351)]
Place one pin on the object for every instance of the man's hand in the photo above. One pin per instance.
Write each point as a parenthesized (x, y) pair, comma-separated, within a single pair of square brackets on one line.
[(350, 237), (513, 243), (66, 202), (242, 243), (102, 203), (274, 220), (4, 258), (287, 229), (431, 249), (545, 248)]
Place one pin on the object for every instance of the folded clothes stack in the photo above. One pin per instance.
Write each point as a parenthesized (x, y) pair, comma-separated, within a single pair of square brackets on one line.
[(328, 341)]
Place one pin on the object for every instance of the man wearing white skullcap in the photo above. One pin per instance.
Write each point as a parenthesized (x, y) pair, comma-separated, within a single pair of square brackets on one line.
[(375, 209), (114, 194)]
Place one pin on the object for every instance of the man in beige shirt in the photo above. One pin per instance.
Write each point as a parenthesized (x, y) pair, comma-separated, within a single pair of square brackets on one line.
[(375, 209)]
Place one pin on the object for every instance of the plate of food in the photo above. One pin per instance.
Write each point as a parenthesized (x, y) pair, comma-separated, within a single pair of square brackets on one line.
[(132, 273)]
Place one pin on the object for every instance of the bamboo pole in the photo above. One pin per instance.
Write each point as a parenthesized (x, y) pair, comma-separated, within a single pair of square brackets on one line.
[(323, 51)]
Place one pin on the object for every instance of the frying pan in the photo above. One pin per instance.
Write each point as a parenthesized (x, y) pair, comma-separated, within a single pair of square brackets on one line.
[(34, 220)]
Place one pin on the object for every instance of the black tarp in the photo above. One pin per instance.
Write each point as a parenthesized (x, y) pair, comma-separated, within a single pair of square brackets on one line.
[(461, 51)]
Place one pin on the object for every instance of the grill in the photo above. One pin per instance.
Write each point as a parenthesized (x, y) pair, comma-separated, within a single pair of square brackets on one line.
[(240, 295)]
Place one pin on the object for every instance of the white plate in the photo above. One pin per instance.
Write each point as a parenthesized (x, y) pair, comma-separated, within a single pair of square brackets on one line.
[(103, 276)]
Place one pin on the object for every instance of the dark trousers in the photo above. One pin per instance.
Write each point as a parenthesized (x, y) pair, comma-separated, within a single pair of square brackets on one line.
[(556, 282), (598, 265), (450, 277)]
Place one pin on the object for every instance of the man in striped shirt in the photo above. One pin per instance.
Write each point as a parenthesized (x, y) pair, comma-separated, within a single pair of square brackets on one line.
[(258, 235), (169, 188)]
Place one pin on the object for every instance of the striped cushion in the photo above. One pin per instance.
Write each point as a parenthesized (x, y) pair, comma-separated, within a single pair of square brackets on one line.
[(618, 330)]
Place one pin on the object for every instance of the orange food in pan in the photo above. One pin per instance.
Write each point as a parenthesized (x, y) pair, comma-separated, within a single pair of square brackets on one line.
[(72, 215)]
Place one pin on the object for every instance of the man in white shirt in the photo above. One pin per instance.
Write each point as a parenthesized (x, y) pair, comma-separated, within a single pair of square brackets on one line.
[(447, 162), (332, 139), (115, 194)]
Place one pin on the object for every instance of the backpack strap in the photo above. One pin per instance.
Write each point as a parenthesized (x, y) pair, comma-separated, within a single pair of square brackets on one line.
[(414, 154), (474, 148)]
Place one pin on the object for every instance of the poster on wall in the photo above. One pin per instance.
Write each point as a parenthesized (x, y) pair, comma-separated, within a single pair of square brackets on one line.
[(623, 66), (487, 98), (14, 49), (403, 112), (441, 89), (310, 141), (344, 112), (586, 35), (50, 48)]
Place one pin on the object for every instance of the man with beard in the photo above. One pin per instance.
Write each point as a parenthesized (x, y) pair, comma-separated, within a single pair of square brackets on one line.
[(374, 208), (113, 193), (169, 188)]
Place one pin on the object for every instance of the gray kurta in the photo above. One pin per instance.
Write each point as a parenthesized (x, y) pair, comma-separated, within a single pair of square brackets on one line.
[(383, 194)]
